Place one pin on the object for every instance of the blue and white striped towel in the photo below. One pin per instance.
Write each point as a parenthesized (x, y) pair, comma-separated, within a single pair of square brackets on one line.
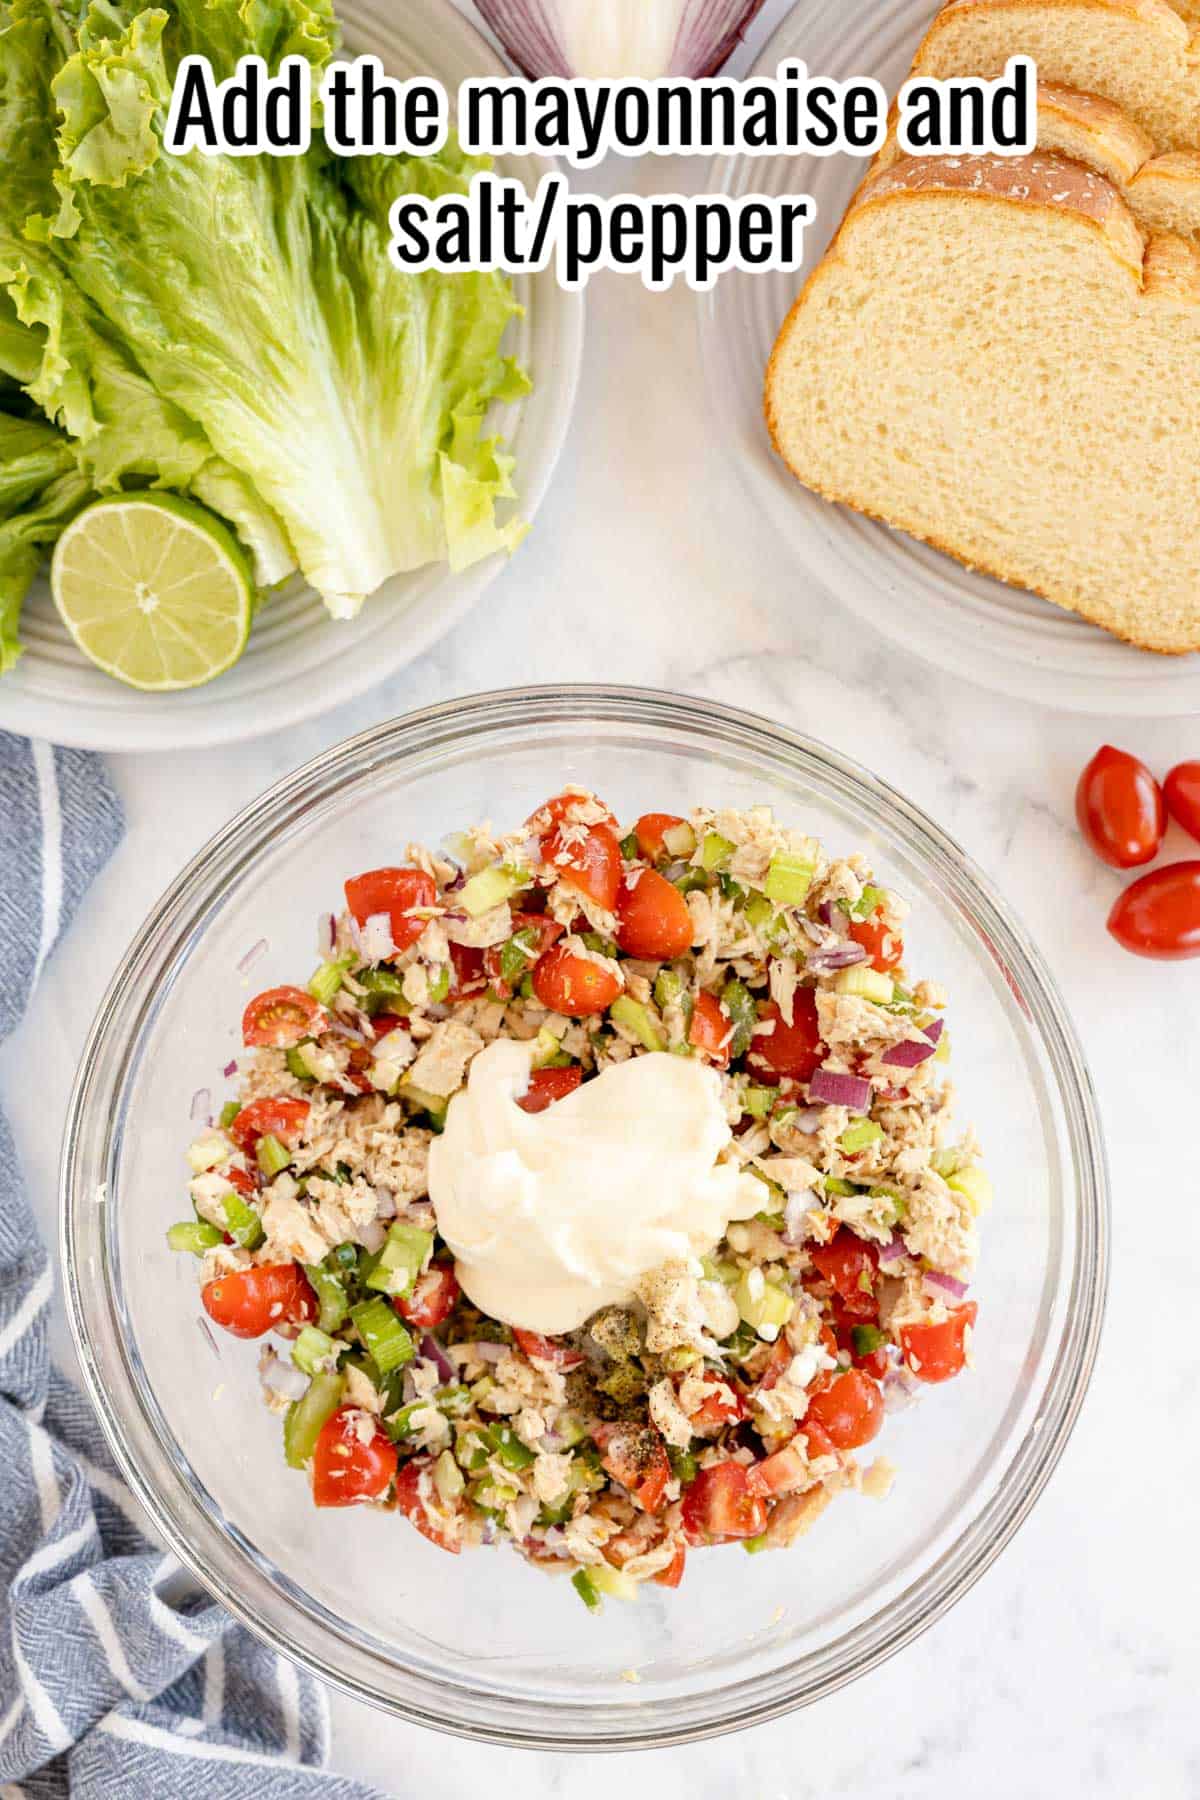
[(119, 1679)]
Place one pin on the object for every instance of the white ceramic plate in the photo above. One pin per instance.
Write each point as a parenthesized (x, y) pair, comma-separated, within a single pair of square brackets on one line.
[(965, 623), (298, 662)]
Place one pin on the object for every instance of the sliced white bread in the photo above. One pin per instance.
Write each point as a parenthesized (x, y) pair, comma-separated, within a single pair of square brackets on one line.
[(1162, 192), (991, 358), (1135, 53)]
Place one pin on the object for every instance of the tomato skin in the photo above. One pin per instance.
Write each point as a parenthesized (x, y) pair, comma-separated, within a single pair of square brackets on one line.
[(1181, 791), (1119, 809), (432, 1300), (410, 1503), (567, 983), (637, 1458), (591, 865), (709, 1029), (884, 946), (392, 891), (249, 1302), (672, 1575), (653, 920), (1159, 916), (544, 930), (793, 1050), (280, 1017), (242, 1180), (849, 1265), (720, 1504), (722, 1404), (849, 1411), (548, 1085), (546, 1350), (936, 1352), (279, 1116), (345, 1471), (649, 833)]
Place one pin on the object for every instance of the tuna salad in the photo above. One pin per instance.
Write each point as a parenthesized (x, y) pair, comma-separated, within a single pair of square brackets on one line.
[(599, 1192)]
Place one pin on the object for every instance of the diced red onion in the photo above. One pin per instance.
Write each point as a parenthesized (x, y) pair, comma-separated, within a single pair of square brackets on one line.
[(201, 1104), (373, 1235), (251, 957), (835, 1089), (844, 955), (283, 1377), (339, 1028), (935, 1279), (433, 1352), (230, 1068), (482, 1352), (487, 1534), (326, 934), (909, 1054), (385, 1203), (934, 1032), (806, 1118), (375, 937), (894, 1249), (795, 1213)]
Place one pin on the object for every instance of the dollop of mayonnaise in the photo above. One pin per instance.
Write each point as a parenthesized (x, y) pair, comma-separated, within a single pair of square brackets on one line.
[(552, 1215)]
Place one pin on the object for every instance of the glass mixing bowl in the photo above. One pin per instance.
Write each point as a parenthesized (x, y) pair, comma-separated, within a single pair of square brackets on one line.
[(481, 1644)]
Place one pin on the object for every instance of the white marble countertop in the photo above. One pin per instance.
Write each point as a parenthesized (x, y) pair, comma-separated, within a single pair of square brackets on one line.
[(1075, 1662)]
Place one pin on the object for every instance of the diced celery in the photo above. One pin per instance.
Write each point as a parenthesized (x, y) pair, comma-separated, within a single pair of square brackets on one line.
[(899, 1203), (447, 1479), (491, 887), (613, 1582), (753, 1545), (679, 840), (434, 1104), (194, 1235), (865, 983), (835, 1185), (305, 1417), (731, 889), (769, 1307), (859, 1135), (947, 1162), (602, 946), (296, 1065), (331, 1297), (208, 1151), (691, 881), (472, 1449), (974, 1183), (327, 980), (398, 1425), (867, 1339), (405, 1253), (585, 1587), (636, 1018), (546, 1048), (229, 1113), (493, 1496), (383, 1336), (684, 1466), (738, 1002), (942, 1053), (272, 1156), (571, 1428), (789, 878), (764, 919), (314, 1350), (715, 850), (758, 1101), (242, 1222), (439, 985), (518, 955), (668, 987), (868, 902)]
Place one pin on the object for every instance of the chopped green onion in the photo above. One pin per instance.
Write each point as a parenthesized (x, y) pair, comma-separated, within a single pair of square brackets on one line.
[(585, 1587), (859, 1135), (305, 1417), (789, 878), (327, 981), (715, 850), (668, 987), (242, 1222), (398, 1425), (439, 987), (229, 1113), (331, 1294), (383, 1336), (517, 954), (865, 983), (636, 1018), (600, 946), (472, 1449), (731, 889), (194, 1235), (314, 1350), (867, 1339), (738, 1002), (272, 1156), (405, 1253), (491, 887)]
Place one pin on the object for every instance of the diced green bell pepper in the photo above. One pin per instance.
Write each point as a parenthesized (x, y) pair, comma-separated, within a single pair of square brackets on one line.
[(738, 1002)]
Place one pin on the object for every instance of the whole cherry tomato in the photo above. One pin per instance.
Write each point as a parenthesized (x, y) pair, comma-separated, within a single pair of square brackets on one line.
[(394, 892), (281, 1017), (249, 1302), (653, 920), (1181, 791), (1159, 916), (346, 1471), (1119, 806)]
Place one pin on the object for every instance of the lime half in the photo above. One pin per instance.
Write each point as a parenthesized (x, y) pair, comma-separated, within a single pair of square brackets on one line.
[(155, 590)]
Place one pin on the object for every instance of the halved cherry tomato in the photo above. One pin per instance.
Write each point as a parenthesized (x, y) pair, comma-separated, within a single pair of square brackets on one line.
[(653, 920), (1181, 791), (568, 983), (281, 1017), (345, 1471), (1119, 808), (278, 1117), (849, 1411), (542, 931), (553, 812), (383, 1023), (779, 1359), (241, 1180), (248, 1302), (466, 962), (411, 1503), (432, 1300), (649, 833), (779, 1474), (794, 1049), (548, 1085), (547, 1350), (720, 1504), (848, 1263), (636, 1456), (818, 1439), (672, 1575), (884, 946), (1159, 916), (720, 1406), (394, 892), (590, 863), (710, 1029), (935, 1352)]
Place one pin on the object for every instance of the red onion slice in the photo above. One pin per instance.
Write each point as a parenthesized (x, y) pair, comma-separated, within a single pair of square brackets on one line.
[(935, 1279), (835, 1089), (326, 934), (251, 957), (894, 1249), (844, 955), (230, 1068), (934, 1032), (908, 1055), (433, 1352), (201, 1105)]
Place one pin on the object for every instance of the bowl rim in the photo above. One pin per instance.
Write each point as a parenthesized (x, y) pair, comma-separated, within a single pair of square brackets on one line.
[(868, 1641)]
